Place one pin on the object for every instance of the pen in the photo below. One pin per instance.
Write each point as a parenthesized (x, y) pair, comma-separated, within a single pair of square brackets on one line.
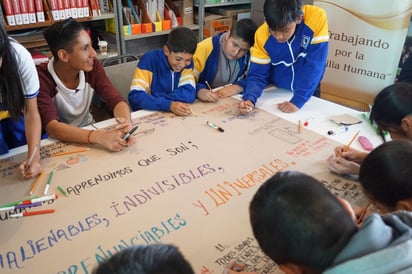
[(31, 213), (46, 188), (31, 157), (33, 188), (351, 141), (338, 130), (70, 152), (212, 125), (299, 127), (10, 208)]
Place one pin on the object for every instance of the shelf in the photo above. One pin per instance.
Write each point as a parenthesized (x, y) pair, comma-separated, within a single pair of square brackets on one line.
[(152, 34), (228, 3), (108, 15)]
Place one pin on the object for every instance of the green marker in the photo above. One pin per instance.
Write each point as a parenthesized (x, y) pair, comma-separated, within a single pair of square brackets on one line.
[(62, 190)]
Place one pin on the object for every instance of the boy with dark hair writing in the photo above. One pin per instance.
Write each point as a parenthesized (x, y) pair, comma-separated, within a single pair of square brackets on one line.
[(164, 78)]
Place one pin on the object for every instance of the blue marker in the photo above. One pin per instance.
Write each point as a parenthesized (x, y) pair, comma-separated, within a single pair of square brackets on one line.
[(338, 130)]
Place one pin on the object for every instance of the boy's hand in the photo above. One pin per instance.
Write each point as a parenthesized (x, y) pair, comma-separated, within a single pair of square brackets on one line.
[(245, 107), (180, 109), (287, 107), (207, 96)]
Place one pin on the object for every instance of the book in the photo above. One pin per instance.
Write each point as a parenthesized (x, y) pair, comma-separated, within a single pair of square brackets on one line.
[(67, 9), (73, 7), (24, 12), (38, 4), (60, 8), (8, 10), (86, 9), (32, 11), (54, 10), (17, 12), (39, 58)]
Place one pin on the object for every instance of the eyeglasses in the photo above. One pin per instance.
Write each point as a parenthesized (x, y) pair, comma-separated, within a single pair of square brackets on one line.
[(237, 47)]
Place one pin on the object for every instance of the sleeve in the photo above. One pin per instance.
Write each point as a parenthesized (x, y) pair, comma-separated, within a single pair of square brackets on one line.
[(185, 91), (104, 87), (140, 96), (315, 61), (47, 109), (203, 50), (259, 66), (28, 73)]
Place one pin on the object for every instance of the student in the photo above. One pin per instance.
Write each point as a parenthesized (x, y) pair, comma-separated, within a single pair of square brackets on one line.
[(164, 78), (67, 84), (154, 259), (146, 259), (290, 52), (19, 118), (386, 174), (223, 60), (392, 112), (304, 228)]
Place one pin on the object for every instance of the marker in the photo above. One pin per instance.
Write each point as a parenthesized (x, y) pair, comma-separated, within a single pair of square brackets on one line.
[(17, 203), (41, 199), (131, 131), (70, 152), (62, 190), (20, 206), (338, 130), (46, 188), (219, 88), (33, 188), (210, 88), (31, 213), (299, 127), (210, 124)]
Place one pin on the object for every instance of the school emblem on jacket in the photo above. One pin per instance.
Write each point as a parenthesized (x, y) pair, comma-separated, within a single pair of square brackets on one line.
[(305, 41)]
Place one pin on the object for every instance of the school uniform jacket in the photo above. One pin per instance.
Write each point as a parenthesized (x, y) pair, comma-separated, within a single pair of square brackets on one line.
[(155, 86), (206, 59), (297, 65)]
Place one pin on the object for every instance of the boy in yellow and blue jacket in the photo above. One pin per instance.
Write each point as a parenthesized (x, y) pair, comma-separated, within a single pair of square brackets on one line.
[(290, 52), (164, 78)]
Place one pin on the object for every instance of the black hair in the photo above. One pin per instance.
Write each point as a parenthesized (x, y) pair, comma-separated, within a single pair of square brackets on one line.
[(391, 105), (279, 13), (182, 39), (11, 91), (146, 259), (62, 35), (296, 219), (386, 173), (244, 29)]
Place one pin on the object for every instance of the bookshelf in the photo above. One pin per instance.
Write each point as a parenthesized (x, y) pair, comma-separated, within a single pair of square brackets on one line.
[(31, 36)]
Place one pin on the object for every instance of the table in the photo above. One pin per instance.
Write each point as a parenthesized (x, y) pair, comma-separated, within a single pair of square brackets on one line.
[(183, 183)]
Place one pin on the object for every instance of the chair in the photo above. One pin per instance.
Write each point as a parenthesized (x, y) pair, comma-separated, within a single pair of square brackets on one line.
[(120, 70)]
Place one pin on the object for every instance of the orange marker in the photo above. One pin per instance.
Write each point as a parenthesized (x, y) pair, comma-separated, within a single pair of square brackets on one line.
[(31, 213), (70, 152), (33, 188)]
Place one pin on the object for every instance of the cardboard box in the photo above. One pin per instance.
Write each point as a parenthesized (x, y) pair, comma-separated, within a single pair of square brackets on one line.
[(186, 11), (237, 12), (215, 23)]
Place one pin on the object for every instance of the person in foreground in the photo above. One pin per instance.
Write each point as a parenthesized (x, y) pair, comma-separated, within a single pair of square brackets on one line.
[(290, 52), (164, 79), (304, 228), (146, 259), (392, 112), (19, 117), (385, 176), (221, 61), (67, 84)]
